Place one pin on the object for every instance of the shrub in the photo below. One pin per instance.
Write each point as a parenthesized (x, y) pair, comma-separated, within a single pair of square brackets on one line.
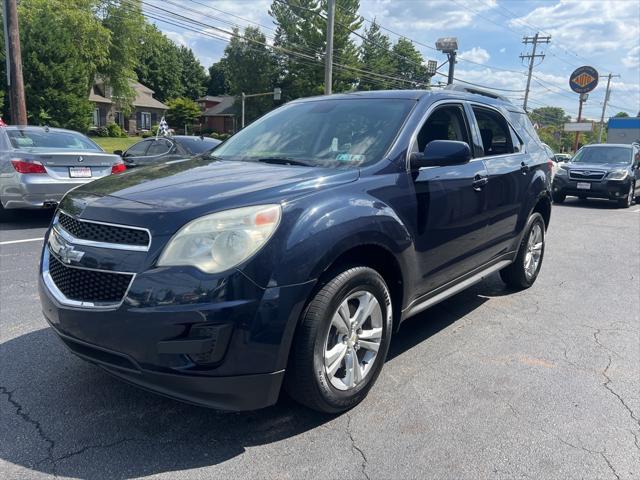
[(114, 130), (220, 136), (101, 132)]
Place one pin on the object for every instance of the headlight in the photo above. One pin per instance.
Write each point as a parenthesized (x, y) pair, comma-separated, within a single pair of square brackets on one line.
[(562, 171), (222, 240), (617, 175)]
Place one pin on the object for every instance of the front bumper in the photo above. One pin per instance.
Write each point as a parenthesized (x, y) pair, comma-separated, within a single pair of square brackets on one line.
[(609, 189), (223, 347)]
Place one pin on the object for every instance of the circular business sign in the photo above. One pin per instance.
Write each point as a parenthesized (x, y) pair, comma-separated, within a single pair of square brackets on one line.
[(583, 79)]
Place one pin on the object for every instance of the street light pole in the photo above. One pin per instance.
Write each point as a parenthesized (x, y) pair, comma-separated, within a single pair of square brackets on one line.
[(276, 92), (328, 58), (243, 97), (452, 65), (604, 105), (448, 46), (14, 63)]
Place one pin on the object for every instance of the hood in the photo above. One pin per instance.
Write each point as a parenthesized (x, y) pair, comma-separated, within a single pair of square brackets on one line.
[(204, 185)]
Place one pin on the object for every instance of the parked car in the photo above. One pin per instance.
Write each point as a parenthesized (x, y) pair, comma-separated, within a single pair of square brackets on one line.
[(552, 158), (163, 149), (601, 171), (38, 165), (562, 157), (292, 252)]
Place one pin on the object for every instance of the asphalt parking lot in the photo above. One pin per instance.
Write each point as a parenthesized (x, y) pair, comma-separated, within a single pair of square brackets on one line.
[(540, 384)]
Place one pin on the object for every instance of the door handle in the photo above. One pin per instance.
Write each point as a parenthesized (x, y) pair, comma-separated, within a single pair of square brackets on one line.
[(479, 181), (524, 168)]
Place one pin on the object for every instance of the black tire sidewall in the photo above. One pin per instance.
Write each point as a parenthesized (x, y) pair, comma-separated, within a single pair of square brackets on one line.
[(361, 278)]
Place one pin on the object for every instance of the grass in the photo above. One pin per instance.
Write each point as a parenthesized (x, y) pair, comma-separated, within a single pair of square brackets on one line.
[(110, 144)]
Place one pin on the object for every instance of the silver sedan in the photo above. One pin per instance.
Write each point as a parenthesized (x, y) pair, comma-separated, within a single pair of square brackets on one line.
[(38, 165)]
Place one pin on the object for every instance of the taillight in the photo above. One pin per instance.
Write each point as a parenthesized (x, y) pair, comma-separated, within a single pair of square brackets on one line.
[(550, 163), (23, 166), (118, 168)]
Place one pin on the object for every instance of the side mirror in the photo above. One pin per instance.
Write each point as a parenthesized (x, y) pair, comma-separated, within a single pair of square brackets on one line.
[(442, 153), (117, 152)]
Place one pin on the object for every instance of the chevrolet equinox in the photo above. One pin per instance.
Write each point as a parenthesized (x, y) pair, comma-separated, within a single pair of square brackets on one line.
[(288, 255)]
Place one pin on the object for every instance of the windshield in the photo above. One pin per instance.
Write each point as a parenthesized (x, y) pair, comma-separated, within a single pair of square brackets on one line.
[(326, 133), (41, 139), (603, 155), (198, 145)]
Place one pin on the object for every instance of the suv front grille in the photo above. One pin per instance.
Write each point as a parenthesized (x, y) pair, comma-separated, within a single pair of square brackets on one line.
[(84, 285), (589, 175), (99, 232)]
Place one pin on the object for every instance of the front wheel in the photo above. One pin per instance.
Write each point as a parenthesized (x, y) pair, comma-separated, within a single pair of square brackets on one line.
[(341, 343), (627, 201), (522, 273)]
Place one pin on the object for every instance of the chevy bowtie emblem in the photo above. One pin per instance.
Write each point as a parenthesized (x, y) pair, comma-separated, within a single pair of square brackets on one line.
[(63, 250)]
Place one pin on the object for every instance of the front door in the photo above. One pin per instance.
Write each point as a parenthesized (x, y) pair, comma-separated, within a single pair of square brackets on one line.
[(450, 205)]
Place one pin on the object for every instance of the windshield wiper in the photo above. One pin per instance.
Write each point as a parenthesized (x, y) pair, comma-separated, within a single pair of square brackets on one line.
[(284, 161)]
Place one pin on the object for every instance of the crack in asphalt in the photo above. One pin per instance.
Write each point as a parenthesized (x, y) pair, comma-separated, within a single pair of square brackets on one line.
[(20, 411), (602, 454), (27, 418), (356, 448), (617, 395)]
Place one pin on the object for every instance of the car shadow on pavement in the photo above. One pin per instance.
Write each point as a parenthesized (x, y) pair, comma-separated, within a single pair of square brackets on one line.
[(25, 219), (68, 418), (592, 203)]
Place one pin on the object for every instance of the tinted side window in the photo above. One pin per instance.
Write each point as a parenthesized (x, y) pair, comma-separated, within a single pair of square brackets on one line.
[(445, 123), (159, 147), (494, 130), (139, 149)]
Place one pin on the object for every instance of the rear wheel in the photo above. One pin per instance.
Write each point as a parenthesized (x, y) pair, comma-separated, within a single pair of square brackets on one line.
[(341, 343), (627, 201), (558, 197), (522, 273)]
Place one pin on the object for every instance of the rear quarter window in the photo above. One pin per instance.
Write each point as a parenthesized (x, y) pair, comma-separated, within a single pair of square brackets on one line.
[(525, 128)]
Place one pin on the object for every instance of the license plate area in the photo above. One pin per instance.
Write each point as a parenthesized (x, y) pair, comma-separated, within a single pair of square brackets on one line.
[(80, 172), (583, 186)]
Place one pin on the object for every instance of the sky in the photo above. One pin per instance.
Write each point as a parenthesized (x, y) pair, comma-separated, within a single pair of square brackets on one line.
[(604, 34)]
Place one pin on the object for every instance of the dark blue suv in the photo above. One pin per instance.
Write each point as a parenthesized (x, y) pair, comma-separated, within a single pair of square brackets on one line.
[(290, 254)]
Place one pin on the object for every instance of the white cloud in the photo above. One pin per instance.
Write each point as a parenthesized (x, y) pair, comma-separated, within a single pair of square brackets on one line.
[(502, 50), (476, 54), (632, 59)]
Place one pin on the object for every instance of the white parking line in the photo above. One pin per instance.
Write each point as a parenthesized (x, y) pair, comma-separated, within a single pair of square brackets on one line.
[(10, 242)]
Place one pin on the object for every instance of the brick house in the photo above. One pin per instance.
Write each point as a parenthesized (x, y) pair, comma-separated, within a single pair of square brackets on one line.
[(218, 113), (147, 111)]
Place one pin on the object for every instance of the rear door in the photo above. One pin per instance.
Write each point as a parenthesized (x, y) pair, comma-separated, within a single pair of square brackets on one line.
[(450, 202), (510, 174)]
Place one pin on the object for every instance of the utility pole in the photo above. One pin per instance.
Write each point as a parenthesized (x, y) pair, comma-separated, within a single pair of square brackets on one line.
[(535, 40), (14, 63), (452, 66), (604, 105), (328, 57), (583, 98)]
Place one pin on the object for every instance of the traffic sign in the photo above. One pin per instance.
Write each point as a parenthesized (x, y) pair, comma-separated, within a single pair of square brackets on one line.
[(578, 127), (583, 79)]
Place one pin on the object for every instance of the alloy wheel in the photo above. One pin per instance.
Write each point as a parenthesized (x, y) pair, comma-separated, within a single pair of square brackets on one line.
[(353, 340), (533, 254)]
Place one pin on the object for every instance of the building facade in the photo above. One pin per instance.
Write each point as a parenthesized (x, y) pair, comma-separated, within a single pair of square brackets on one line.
[(218, 114)]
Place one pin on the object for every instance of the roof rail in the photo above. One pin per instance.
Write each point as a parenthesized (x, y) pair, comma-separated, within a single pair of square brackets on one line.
[(477, 91)]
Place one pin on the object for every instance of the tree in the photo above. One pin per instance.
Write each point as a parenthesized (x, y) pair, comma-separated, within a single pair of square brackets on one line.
[(159, 66), (250, 67), (126, 24), (301, 27), (621, 115), (375, 57), (193, 76), (407, 64), (549, 116), (182, 111), (216, 82), (64, 44)]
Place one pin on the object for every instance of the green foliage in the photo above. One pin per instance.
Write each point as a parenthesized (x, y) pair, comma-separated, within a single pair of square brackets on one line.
[(220, 136), (375, 56), (63, 46), (216, 82), (114, 130), (549, 116), (182, 111), (126, 24), (408, 64), (250, 67), (621, 115), (159, 64), (192, 76)]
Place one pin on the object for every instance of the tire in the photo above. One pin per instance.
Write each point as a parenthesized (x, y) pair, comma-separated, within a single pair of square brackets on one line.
[(558, 197), (517, 275), (321, 338), (627, 201)]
